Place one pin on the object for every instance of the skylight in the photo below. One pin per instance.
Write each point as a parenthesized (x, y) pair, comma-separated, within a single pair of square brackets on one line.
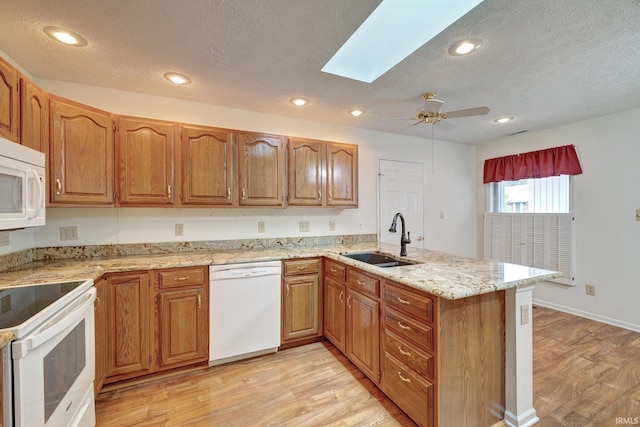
[(391, 33)]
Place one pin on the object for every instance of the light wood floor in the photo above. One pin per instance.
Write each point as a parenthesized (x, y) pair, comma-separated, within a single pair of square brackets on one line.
[(585, 374)]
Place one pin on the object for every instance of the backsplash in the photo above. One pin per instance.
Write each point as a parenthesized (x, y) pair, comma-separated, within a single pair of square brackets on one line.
[(13, 260)]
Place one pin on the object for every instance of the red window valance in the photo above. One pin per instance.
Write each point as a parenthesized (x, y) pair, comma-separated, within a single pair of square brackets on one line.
[(534, 164)]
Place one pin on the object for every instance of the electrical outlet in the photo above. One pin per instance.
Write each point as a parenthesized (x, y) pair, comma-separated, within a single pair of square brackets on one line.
[(69, 233), (304, 226), (637, 214), (4, 238), (360, 225), (260, 226), (441, 214), (524, 314), (179, 230), (332, 225), (5, 304), (590, 290)]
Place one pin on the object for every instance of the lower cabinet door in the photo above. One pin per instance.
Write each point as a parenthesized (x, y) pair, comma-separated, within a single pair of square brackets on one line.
[(413, 394), (363, 334), (130, 326), (301, 312), (334, 313), (183, 327)]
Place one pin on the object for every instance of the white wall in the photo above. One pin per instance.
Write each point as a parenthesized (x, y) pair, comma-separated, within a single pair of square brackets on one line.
[(605, 198), (451, 185)]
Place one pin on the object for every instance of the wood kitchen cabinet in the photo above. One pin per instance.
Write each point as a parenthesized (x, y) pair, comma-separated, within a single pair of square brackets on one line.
[(156, 320), (301, 300), (322, 173), (145, 153), (363, 323), (100, 308), (352, 316), (306, 163), (34, 116), (342, 175), (183, 316), (130, 327), (208, 175), (261, 166), (9, 102), (81, 154)]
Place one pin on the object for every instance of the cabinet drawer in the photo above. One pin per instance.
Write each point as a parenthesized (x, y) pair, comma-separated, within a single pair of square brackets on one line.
[(172, 278), (420, 306), (301, 266), (416, 333), (335, 270), (364, 283), (410, 355), (411, 393)]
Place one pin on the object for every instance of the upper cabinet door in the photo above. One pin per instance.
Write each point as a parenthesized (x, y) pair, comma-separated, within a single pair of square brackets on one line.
[(306, 167), (81, 161), (342, 175), (262, 169), (34, 116), (8, 101), (145, 161), (207, 166)]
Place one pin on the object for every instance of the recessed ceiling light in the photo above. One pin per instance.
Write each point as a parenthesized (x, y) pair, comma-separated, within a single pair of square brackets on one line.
[(177, 78), (464, 47), (504, 119), (356, 112), (299, 101), (65, 36)]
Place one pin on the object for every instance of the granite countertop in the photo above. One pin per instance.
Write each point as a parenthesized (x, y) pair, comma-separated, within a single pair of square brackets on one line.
[(442, 274)]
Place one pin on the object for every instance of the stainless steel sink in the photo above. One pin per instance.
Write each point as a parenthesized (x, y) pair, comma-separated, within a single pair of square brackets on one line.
[(379, 259)]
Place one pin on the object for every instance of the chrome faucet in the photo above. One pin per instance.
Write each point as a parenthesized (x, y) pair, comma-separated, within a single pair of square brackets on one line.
[(404, 239)]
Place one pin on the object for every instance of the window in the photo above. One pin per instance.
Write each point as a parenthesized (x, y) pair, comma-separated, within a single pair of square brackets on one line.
[(535, 195)]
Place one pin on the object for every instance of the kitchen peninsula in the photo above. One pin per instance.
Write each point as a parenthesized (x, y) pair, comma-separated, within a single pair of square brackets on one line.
[(479, 357)]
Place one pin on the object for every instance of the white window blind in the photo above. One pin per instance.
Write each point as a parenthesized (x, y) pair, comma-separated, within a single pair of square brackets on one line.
[(540, 240)]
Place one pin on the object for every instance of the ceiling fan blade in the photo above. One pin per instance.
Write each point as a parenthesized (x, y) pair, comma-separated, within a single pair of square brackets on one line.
[(476, 111), (445, 125), (398, 118)]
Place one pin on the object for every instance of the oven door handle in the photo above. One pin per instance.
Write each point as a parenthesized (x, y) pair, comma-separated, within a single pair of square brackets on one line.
[(56, 325)]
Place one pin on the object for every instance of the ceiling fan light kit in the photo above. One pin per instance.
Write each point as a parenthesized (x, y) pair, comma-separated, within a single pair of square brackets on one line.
[(430, 113)]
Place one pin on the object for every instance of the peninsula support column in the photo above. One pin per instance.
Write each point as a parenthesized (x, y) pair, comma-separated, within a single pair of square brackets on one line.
[(519, 410)]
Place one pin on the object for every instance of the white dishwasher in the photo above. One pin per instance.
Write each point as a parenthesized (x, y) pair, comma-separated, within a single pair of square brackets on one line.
[(244, 310)]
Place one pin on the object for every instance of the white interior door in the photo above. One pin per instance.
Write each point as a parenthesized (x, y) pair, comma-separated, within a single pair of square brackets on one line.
[(401, 190)]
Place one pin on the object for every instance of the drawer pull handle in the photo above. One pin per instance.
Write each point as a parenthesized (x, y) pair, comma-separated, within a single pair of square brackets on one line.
[(406, 380), (404, 353), (182, 279), (361, 283), (302, 267), (405, 327), (333, 270), (403, 301)]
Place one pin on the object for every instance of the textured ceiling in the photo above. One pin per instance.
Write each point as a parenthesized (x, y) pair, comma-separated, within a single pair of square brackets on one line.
[(545, 62)]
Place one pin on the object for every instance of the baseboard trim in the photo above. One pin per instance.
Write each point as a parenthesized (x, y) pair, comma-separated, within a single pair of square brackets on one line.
[(604, 319)]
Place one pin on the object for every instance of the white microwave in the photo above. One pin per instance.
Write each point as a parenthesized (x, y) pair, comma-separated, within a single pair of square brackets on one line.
[(22, 186)]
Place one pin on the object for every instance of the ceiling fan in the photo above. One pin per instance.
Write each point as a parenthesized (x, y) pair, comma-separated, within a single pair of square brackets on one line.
[(430, 114)]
